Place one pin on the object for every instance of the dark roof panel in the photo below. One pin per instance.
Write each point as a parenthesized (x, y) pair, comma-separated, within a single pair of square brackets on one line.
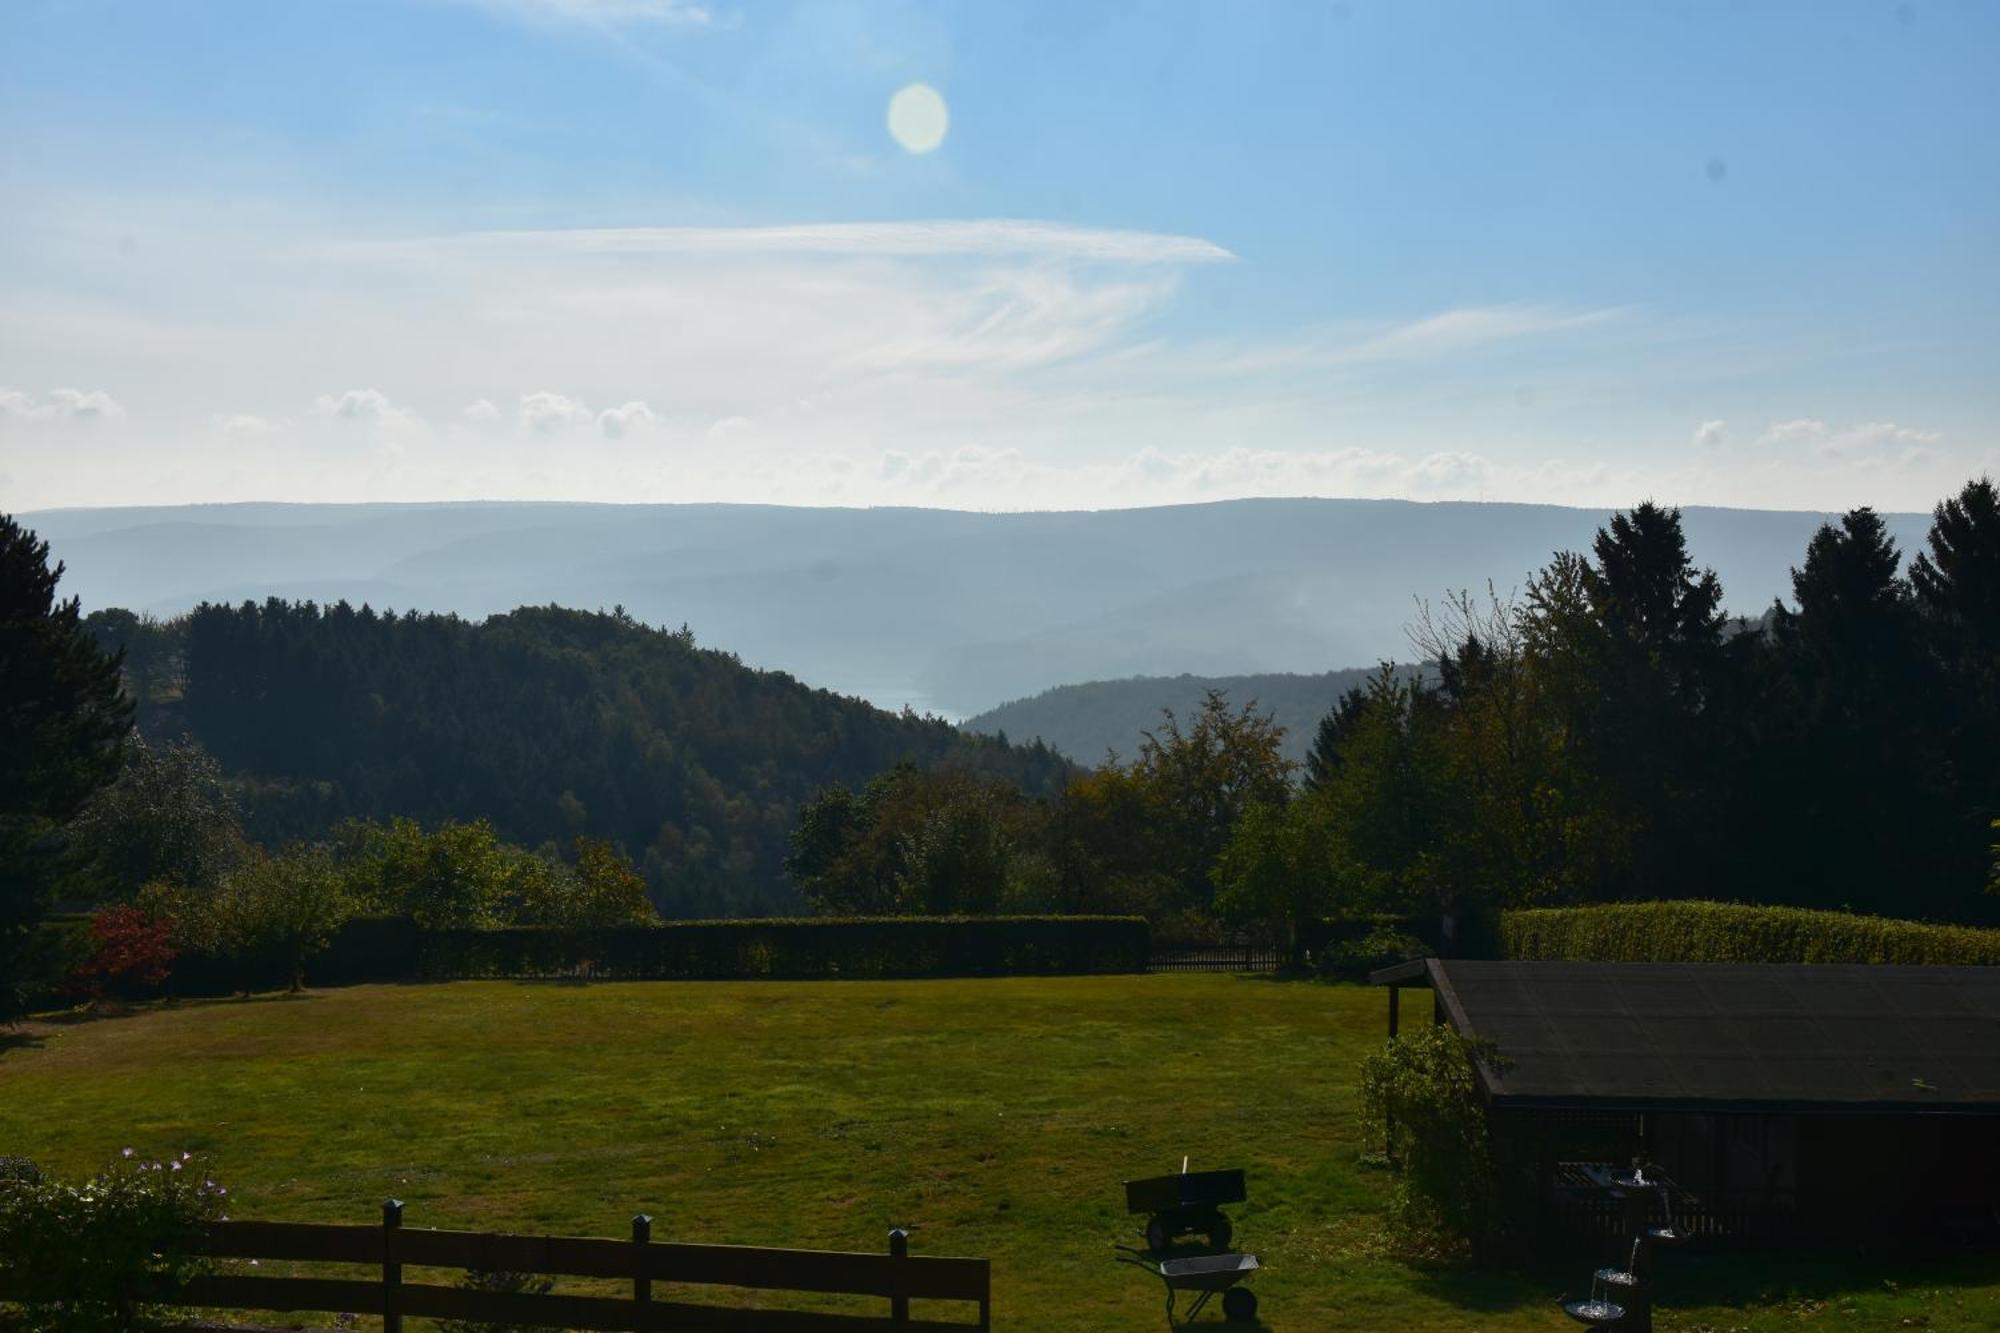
[(1826, 1037)]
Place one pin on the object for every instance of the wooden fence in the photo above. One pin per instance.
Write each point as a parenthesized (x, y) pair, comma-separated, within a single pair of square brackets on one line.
[(1248, 957), (897, 1277)]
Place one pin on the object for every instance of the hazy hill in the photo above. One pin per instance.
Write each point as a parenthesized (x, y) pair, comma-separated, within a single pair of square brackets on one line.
[(549, 722), (1085, 721), (937, 608)]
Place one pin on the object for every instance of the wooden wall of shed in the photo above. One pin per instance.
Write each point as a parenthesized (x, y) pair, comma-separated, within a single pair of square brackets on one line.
[(1899, 1175)]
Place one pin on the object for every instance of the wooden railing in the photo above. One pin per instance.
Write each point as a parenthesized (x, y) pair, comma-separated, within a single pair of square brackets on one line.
[(897, 1277)]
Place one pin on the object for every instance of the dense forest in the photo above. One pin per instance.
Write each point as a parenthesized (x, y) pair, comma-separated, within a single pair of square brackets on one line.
[(549, 723)]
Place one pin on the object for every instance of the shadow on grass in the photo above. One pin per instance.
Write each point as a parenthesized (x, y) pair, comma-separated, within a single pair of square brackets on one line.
[(1741, 1279), (19, 1038)]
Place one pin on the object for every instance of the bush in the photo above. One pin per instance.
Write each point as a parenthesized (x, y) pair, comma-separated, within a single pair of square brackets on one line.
[(131, 953), (58, 948), (1353, 960), (1705, 932), (797, 949), (82, 1258), (1420, 1096), (381, 949)]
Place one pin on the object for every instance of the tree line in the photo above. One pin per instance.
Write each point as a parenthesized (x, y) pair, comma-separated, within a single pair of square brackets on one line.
[(548, 723), (1608, 735)]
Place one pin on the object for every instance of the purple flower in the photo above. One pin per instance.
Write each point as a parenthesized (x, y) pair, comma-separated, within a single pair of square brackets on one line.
[(124, 1152)]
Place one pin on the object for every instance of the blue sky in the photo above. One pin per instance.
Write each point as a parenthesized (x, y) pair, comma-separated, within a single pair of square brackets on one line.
[(1742, 253)]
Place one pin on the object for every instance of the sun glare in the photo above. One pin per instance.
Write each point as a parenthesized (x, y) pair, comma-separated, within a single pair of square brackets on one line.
[(918, 118)]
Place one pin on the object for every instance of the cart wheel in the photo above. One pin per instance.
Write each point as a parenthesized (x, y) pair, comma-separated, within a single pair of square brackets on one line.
[(1239, 1305), (1159, 1233), (1219, 1232)]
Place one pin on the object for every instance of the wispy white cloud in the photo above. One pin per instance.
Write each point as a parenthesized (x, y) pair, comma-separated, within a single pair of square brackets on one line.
[(1866, 442), (59, 405), (1710, 435), (970, 237), (1445, 334), (685, 13)]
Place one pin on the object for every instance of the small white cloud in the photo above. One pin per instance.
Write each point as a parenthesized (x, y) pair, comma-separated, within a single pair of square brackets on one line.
[(60, 405), (1711, 434), (616, 422), (1798, 430), (684, 13), (76, 403), (241, 425), (544, 413), (1867, 442), (481, 413), (364, 405), (730, 432)]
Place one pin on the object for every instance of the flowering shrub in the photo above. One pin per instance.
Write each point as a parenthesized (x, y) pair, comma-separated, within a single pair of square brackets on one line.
[(82, 1258), (131, 952)]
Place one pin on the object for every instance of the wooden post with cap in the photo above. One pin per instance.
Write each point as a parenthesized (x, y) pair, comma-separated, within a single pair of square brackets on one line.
[(642, 1278), (899, 1302), (392, 1267)]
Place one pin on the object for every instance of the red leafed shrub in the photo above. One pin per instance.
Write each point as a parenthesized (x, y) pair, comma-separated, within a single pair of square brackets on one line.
[(130, 952)]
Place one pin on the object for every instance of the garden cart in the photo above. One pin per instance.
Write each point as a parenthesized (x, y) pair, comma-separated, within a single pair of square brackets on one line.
[(1190, 1205)]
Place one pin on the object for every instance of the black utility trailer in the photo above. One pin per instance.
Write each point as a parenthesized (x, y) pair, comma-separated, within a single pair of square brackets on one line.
[(1185, 1205)]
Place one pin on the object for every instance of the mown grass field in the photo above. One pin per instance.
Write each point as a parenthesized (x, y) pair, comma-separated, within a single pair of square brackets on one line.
[(993, 1118)]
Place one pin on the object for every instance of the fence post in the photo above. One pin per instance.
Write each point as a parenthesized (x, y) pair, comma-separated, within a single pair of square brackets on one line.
[(899, 1304), (642, 1281), (392, 1267)]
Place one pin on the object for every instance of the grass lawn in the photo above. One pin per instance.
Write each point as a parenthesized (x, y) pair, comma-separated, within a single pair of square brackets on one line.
[(993, 1118)]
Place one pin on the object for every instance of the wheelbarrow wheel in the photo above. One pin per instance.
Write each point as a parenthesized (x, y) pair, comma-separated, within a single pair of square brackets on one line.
[(1239, 1305)]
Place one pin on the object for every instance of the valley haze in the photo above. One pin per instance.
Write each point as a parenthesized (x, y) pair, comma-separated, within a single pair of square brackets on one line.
[(945, 611)]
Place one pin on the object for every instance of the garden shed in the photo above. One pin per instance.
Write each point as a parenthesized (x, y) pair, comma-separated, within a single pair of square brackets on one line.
[(1779, 1099)]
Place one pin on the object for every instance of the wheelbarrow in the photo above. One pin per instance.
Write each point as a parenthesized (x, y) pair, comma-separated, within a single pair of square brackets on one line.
[(1206, 1274)]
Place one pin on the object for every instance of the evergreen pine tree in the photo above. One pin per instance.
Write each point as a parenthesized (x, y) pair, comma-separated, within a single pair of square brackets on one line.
[(61, 719)]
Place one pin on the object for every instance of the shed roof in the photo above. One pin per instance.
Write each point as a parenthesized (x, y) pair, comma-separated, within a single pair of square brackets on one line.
[(1657, 1036)]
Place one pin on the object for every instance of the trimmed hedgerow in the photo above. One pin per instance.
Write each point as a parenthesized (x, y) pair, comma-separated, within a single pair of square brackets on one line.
[(806, 948), (1706, 932), (373, 949)]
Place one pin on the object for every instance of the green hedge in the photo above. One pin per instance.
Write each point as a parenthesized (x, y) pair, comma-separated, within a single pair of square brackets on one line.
[(393, 949), (1704, 932), (806, 949)]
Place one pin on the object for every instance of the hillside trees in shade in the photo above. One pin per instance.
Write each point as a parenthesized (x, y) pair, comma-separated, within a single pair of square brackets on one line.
[(170, 817), (915, 842), (550, 724), (1609, 736), (62, 716)]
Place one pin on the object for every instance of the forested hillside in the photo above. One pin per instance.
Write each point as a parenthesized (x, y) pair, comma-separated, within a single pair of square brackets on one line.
[(1089, 720), (550, 723)]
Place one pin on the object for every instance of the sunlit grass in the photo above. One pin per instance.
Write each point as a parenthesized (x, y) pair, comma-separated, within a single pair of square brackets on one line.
[(993, 1118)]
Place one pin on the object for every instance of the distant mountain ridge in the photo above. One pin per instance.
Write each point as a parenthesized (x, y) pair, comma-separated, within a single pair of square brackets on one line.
[(941, 609), (1085, 722)]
